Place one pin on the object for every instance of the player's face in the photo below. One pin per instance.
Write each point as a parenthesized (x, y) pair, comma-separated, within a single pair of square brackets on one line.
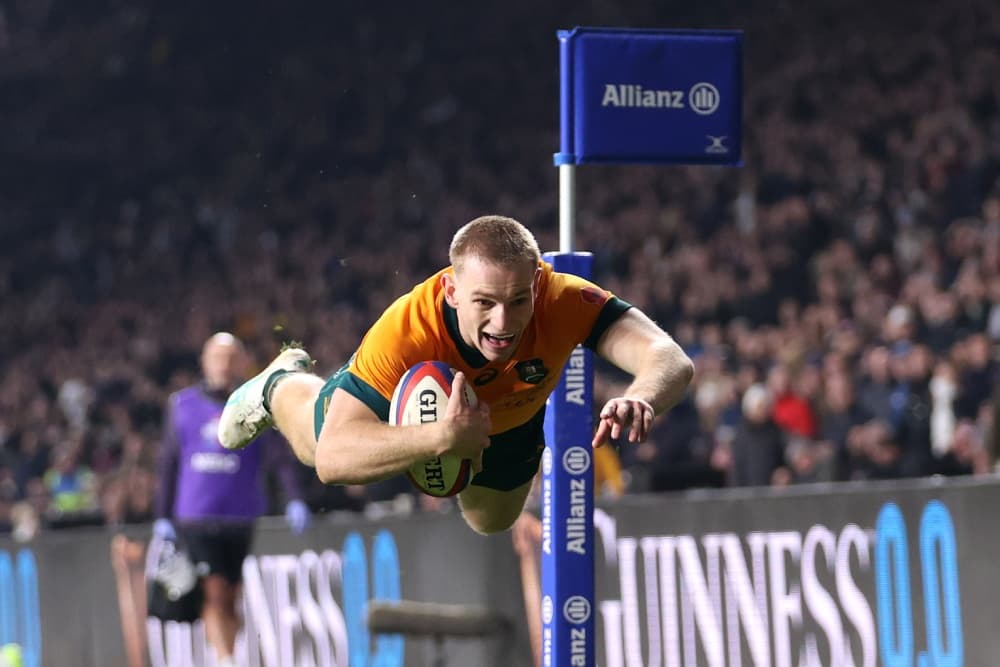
[(494, 304)]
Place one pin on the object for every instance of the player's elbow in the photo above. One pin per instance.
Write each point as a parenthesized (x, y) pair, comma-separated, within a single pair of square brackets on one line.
[(685, 369), (332, 473), (340, 471), (681, 368), (329, 473)]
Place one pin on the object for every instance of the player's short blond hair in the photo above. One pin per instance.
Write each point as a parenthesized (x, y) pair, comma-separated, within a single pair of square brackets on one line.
[(495, 238)]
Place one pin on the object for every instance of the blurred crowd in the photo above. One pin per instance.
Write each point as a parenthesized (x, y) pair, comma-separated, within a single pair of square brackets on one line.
[(178, 170)]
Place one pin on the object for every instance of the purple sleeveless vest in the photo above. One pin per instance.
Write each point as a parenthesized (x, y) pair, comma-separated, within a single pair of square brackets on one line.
[(213, 482)]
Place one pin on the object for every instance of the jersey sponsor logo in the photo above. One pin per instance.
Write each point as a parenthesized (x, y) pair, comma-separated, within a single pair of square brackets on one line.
[(519, 400), (532, 371), (487, 376)]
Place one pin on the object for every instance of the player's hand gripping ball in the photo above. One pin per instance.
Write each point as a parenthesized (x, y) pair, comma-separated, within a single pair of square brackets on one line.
[(420, 398)]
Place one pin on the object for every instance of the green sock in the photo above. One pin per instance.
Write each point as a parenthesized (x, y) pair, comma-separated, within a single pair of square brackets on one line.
[(269, 385)]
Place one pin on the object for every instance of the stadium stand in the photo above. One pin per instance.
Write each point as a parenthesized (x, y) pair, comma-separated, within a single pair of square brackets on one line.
[(177, 169)]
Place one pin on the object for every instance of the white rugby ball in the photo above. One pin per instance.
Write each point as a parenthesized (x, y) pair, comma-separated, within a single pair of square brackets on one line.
[(420, 398)]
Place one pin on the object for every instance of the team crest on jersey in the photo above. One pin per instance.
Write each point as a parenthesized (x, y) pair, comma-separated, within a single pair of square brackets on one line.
[(532, 371)]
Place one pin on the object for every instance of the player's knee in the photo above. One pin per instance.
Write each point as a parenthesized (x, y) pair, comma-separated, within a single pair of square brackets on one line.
[(489, 511), (488, 521), (489, 526)]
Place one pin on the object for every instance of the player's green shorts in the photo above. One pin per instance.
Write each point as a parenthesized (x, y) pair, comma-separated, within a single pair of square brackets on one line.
[(511, 459)]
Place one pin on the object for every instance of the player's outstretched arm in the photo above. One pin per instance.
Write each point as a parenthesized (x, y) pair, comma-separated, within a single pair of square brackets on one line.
[(356, 447), (661, 373)]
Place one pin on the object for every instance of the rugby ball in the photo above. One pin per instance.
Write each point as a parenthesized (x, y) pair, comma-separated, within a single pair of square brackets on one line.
[(421, 397)]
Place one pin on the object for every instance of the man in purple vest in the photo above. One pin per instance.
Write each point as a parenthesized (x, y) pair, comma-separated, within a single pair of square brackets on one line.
[(209, 497)]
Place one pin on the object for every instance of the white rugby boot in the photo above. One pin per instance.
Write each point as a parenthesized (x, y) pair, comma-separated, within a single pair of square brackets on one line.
[(247, 412)]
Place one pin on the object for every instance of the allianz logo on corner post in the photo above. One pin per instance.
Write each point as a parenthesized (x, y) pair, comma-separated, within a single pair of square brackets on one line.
[(829, 597), (702, 98), (303, 610)]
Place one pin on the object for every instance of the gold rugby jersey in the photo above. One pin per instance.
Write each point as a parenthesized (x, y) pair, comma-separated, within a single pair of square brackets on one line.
[(421, 326)]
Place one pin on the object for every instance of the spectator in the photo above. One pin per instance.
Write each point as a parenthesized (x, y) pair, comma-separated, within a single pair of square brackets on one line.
[(978, 375), (913, 434), (71, 484), (876, 385), (792, 412), (758, 445), (806, 461), (966, 454), (873, 453), (677, 454), (943, 388), (840, 415)]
